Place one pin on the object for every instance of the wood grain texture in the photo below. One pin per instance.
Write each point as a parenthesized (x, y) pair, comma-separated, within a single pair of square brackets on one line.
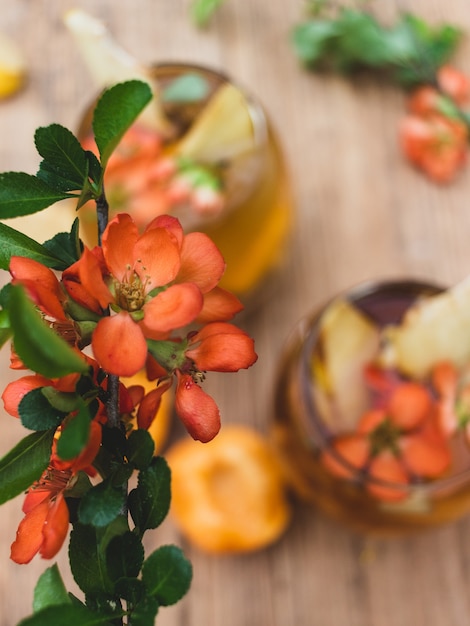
[(362, 213)]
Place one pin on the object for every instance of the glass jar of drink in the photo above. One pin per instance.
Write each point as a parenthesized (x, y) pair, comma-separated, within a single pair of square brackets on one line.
[(323, 410), (218, 131)]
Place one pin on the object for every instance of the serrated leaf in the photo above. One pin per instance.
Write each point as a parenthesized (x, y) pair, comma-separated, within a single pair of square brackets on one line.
[(102, 504), (87, 560), (5, 329), (63, 156), (141, 448), (24, 194), (60, 400), (115, 112), (65, 247), (149, 502), (14, 243), (145, 612), (37, 345), (69, 614), (75, 434), (167, 574), (24, 464), (36, 413), (50, 590), (124, 556)]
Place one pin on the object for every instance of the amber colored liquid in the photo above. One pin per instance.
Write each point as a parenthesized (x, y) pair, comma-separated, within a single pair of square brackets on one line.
[(297, 434), (253, 231)]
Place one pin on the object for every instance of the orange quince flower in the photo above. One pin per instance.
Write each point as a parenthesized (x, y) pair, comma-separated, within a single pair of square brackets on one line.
[(45, 525), (140, 284), (218, 347), (435, 144), (393, 444)]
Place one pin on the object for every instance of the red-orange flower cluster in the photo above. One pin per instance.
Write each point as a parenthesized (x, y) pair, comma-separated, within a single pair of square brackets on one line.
[(394, 444), (434, 135)]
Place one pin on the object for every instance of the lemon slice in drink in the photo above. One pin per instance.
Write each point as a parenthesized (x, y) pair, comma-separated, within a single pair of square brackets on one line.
[(108, 64), (225, 129), (12, 67), (434, 329)]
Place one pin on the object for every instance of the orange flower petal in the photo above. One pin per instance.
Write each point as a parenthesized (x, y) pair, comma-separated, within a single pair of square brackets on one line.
[(41, 283), (222, 347), (424, 455), (55, 528), (119, 345), (370, 420), (387, 468), (118, 241), (219, 306), (16, 390), (173, 308), (149, 406), (201, 262), (156, 258), (196, 409), (409, 405), (348, 454), (29, 534), (171, 225)]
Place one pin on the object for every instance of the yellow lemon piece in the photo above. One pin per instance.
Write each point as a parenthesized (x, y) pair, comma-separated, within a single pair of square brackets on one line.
[(435, 328), (228, 495), (12, 67), (224, 130), (160, 427), (108, 64), (348, 340)]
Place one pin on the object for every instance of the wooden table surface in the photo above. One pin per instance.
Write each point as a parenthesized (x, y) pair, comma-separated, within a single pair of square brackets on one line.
[(362, 213)]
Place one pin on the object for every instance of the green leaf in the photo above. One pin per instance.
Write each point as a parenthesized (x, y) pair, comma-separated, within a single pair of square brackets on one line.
[(75, 434), (37, 345), (14, 243), (24, 194), (64, 158), (167, 574), (36, 413), (190, 87), (87, 560), (102, 504), (5, 329), (69, 614), (24, 464), (65, 247), (149, 502), (141, 448), (60, 400), (145, 612), (203, 10), (311, 39), (50, 590), (115, 112), (124, 556)]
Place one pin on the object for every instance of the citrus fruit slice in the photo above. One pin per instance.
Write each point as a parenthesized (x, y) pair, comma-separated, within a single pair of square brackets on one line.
[(434, 329), (228, 495), (108, 63), (12, 67)]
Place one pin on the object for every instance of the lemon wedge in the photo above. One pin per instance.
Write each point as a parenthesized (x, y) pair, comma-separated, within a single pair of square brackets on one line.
[(436, 328), (108, 64), (348, 341), (224, 130), (12, 67)]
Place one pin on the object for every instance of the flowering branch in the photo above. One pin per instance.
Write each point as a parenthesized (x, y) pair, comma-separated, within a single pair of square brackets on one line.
[(142, 301)]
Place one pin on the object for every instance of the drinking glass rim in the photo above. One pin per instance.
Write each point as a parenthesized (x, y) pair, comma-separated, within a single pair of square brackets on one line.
[(314, 426)]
